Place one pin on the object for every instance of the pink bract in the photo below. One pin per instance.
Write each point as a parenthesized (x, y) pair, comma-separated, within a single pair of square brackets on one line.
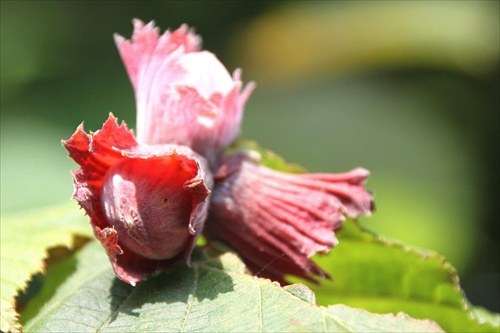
[(139, 196), (277, 220), (183, 95)]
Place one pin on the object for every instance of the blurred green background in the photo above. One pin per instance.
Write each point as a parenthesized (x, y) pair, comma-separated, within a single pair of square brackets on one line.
[(409, 90)]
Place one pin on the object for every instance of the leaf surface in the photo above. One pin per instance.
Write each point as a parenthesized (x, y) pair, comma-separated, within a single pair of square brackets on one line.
[(215, 294), (25, 239)]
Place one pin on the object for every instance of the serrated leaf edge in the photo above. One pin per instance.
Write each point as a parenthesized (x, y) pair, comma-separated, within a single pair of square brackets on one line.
[(466, 306)]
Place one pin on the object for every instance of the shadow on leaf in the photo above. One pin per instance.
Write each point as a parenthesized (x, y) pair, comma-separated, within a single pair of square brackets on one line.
[(204, 280), (60, 264)]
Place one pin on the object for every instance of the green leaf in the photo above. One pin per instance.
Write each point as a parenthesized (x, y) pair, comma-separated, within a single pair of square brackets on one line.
[(215, 294), (384, 276), (25, 239)]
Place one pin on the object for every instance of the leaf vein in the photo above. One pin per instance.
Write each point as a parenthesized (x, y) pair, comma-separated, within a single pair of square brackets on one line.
[(191, 299), (323, 320), (337, 320), (261, 316), (117, 309)]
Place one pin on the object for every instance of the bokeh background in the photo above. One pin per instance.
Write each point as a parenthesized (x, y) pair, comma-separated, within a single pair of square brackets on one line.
[(409, 90)]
